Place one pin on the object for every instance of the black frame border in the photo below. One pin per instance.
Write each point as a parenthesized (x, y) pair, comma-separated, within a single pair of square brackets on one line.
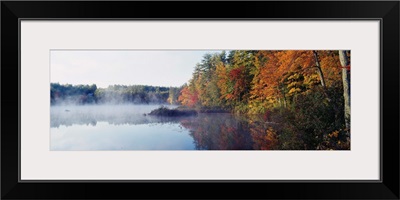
[(386, 11), (208, 180)]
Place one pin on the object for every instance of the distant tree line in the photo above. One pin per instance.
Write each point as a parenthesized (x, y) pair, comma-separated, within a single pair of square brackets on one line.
[(114, 94)]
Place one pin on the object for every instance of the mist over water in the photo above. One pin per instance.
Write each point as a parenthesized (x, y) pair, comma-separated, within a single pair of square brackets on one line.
[(115, 127), (69, 115), (128, 127)]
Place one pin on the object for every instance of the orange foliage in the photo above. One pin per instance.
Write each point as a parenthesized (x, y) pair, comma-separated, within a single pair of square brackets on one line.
[(187, 97), (262, 79)]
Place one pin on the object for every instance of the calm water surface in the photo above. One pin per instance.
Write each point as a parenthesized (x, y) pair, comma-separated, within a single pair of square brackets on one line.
[(126, 127)]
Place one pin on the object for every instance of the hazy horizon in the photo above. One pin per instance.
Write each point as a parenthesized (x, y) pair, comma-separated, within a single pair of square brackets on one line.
[(162, 68), (114, 84)]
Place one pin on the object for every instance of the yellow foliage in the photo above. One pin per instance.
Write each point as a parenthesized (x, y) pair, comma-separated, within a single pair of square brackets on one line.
[(294, 90), (334, 134), (312, 80), (294, 84), (294, 77)]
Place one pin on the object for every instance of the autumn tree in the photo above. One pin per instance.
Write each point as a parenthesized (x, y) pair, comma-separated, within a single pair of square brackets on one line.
[(188, 97), (302, 88)]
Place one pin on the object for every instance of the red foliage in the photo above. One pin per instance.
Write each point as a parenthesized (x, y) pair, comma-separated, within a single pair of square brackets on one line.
[(238, 76), (188, 98)]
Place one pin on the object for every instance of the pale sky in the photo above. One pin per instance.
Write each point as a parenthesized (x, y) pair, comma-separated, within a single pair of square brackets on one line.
[(103, 68)]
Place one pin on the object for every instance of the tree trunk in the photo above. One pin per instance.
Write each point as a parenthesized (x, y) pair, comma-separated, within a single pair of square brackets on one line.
[(319, 70), (345, 62), (284, 101), (321, 75)]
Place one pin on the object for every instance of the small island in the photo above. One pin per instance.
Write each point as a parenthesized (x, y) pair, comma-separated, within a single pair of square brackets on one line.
[(177, 112)]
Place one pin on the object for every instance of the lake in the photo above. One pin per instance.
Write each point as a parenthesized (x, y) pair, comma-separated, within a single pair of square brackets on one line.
[(127, 127)]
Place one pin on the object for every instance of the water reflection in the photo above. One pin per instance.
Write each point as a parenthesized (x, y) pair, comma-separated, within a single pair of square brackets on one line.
[(128, 128), (219, 131), (228, 132)]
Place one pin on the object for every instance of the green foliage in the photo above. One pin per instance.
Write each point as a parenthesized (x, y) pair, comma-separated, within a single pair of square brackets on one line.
[(306, 124), (115, 94), (79, 94)]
